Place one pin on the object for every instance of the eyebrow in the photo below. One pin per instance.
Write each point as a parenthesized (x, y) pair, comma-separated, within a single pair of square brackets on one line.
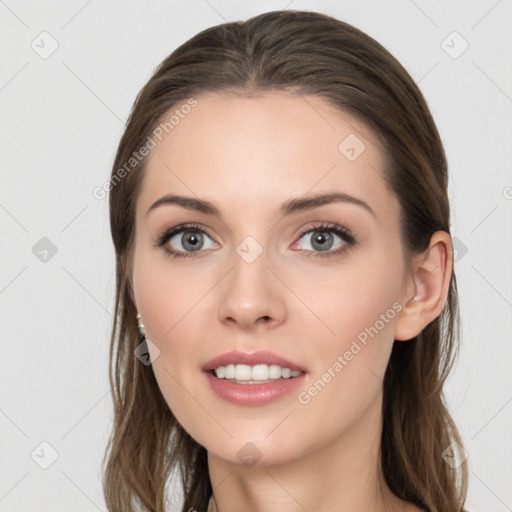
[(289, 207)]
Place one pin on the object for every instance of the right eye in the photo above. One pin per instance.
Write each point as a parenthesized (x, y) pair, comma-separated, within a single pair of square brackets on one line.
[(184, 240)]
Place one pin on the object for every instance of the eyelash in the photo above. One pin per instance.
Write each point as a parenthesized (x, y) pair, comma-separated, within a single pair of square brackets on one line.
[(342, 232)]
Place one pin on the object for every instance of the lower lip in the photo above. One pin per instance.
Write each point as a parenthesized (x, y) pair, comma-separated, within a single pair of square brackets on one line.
[(253, 394)]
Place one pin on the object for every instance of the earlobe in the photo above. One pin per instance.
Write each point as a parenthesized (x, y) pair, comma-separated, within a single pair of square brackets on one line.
[(430, 283)]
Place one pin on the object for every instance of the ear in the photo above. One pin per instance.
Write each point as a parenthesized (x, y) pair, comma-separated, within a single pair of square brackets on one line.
[(427, 288)]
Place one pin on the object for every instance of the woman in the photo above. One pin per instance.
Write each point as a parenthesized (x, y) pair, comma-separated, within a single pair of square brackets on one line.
[(281, 223)]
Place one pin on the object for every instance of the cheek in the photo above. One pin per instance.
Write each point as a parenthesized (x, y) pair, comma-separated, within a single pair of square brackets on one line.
[(166, 294), (353, 296), (171, 299), (348, 371), (360, 307)]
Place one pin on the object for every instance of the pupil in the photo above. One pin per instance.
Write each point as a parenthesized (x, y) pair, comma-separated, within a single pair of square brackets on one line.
[(321, 240), (192, 240)]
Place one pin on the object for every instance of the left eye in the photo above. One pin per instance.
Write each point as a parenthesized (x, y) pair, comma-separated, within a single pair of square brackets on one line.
[(323, 239), (191, 240)]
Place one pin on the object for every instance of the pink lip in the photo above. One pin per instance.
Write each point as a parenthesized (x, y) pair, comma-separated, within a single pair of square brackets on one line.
[(253, 394), (260, 357)]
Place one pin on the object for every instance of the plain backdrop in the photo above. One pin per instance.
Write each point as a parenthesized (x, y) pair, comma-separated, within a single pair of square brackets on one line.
[(69, 74)]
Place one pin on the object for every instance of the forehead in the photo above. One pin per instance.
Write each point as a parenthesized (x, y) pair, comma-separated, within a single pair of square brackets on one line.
[(255, 152)]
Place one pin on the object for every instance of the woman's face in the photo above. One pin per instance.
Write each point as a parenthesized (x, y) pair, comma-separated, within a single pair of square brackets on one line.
[(259, 274)]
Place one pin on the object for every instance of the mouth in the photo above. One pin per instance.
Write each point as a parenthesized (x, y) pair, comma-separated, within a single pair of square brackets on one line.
[(251, 392), (254, 374), (253, 379)]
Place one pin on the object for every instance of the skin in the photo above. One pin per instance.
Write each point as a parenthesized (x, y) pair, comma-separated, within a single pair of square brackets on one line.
[(248, 155)]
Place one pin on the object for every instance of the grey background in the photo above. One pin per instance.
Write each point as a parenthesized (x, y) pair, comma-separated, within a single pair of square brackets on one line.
[(62, 117)]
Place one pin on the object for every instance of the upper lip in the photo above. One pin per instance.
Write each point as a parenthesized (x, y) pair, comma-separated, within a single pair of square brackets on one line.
[(251, 359)]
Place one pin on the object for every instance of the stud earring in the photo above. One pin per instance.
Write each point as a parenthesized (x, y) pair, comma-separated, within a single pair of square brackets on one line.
[(142, 329), (414, 299)]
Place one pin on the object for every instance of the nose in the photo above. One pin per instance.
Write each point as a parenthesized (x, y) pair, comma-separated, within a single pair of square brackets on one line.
[(251, 296)]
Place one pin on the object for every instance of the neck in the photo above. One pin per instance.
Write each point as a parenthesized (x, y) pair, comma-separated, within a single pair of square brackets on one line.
[(342, 475)]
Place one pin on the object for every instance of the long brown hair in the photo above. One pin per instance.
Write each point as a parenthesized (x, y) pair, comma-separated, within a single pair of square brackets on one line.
[(311, 54)]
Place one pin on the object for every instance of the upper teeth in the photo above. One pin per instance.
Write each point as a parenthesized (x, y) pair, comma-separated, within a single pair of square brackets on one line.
[(256, 372)]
